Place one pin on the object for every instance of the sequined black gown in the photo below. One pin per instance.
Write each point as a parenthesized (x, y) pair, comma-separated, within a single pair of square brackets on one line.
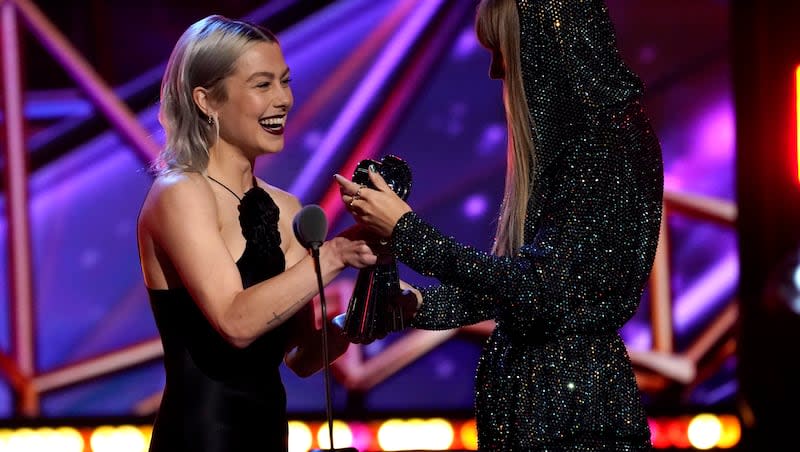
[(219, 398), (555, 374)]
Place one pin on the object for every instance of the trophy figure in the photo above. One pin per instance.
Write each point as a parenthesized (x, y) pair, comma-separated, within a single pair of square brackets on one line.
[(370, 313)]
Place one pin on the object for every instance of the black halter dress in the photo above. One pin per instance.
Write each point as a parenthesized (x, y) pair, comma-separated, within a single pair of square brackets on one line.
[(218, 397)]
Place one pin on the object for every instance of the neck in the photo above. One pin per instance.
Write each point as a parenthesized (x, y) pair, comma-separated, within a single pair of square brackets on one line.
[(230, 167)]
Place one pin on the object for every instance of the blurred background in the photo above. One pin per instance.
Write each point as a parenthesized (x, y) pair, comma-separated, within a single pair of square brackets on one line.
[(714, 342)]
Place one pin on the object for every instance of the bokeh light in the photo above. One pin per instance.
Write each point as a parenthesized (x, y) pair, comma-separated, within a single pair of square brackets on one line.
[(124, 438), (300, 437), (731, 431), (704, 431), (469, 435), (342, 435)]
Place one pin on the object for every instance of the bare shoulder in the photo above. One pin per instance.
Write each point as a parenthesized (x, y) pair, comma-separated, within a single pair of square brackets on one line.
[(288, 203), (179, 193)]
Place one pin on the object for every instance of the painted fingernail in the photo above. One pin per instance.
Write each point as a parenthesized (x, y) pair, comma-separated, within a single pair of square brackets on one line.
[(372, 168)]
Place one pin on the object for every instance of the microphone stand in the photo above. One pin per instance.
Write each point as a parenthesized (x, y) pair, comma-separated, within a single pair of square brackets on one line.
[(325, 357)]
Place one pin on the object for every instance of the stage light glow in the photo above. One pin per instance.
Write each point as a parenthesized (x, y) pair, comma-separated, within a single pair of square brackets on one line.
[(21, 440), (363, 435), (469, 435), (432, 434), (342, 435), (731, 431), (65, 439), (43, 439), (147, 433), (124, 438), (394, 434), (704, 431), (676, 431), (796, 278), (5, 436), (475, 206), (390, 435), (797, 116), (300, 437), (437, 433), (658, 434)]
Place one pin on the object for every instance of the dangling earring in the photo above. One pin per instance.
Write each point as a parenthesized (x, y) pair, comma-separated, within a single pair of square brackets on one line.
[(214, 121)]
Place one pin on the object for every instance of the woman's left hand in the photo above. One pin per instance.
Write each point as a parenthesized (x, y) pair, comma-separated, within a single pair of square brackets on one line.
[(377, 209)]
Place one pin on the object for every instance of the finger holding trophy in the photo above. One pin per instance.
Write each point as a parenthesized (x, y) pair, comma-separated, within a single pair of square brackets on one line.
[(376, 197)]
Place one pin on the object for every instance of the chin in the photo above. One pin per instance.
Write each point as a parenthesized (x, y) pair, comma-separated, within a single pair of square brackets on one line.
[(271, 148)]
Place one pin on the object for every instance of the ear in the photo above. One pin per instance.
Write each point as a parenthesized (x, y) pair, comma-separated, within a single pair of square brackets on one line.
[(201, 98)]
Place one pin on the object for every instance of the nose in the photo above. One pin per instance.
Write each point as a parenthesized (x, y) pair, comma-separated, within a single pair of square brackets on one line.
[(284, 98)]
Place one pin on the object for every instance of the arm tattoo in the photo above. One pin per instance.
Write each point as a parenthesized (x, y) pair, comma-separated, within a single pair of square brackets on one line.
[(279, 317)]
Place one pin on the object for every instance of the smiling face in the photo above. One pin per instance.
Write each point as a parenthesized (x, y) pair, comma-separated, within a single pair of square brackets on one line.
[(257, 99)]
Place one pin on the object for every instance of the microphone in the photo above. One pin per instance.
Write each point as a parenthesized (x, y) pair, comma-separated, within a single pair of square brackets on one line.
[(310, 227)]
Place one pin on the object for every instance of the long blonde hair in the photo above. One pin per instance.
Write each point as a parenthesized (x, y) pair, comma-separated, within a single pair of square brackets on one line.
[(497, 28), (204, 56)]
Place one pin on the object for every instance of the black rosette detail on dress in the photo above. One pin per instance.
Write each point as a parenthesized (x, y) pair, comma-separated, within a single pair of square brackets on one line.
[(258, 217)]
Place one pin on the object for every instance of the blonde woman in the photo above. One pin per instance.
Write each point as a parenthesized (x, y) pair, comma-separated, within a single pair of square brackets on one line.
[(229, 284)]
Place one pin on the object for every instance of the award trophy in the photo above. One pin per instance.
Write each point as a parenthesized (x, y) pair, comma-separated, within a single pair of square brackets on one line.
[(370, 314)]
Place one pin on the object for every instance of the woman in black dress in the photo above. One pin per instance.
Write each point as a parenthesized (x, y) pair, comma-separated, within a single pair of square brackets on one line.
[(229, 284), (575, 241)]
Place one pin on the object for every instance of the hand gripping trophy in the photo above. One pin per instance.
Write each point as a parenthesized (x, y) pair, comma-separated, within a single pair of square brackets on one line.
[(371, 313)]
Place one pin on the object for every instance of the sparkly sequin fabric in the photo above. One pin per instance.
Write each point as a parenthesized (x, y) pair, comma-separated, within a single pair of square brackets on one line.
[(555, 374)]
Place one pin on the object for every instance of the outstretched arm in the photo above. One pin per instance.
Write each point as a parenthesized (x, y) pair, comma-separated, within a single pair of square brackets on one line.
[(447, 306), (584, 268), (442, 307), (179, 222)]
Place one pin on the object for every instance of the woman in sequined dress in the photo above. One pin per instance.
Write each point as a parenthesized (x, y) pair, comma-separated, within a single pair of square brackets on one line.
[(229, 284), (575, 241)]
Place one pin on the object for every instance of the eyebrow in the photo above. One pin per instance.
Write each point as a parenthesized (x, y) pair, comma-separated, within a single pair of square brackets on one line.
[(269, 75)]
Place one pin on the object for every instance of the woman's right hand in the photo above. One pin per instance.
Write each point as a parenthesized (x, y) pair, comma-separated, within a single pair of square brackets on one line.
[(378, 208)]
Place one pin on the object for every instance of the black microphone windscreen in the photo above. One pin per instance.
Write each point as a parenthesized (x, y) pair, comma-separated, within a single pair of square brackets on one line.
[(310, 226)]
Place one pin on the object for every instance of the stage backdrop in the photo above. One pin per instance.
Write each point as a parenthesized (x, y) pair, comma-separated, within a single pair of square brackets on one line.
[(406, 78)]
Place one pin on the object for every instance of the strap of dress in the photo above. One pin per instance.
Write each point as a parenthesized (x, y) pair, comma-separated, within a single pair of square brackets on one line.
[(255, 184)]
